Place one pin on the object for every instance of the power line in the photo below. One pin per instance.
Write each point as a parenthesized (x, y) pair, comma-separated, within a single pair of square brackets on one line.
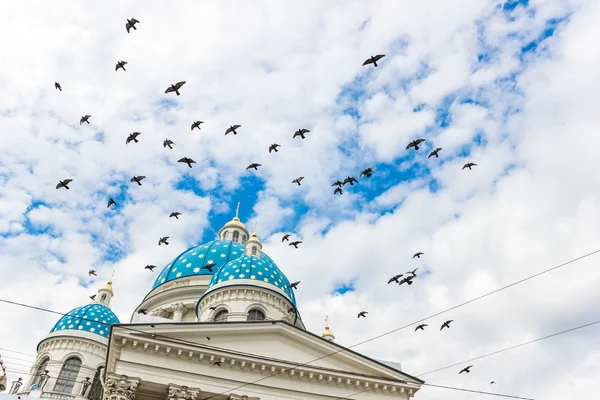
[(17, 352), (512, 347), (477, 391)]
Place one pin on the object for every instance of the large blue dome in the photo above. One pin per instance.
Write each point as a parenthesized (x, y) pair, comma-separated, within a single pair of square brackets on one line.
[(95, 318), (191, 261), (261, 269)]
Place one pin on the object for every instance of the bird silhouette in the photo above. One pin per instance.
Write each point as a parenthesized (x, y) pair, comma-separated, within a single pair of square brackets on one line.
[(111, 202), (92, 272), (131, 24), (121, 64), (363, 314), (209, 267), (168, 142), (466, 369), (415, 144), (395, 278), (93, 297), (295, 244), (300, 132), (85, 118), (217, 363), (338, 190), (298, 180), (57, 86), (367, 172), (254, 165), (293, 285), (413, 272), (337, 183), (286, 237), (373, 59), (420, 327), (142, 311), (187, 160), (132, 137), (434, 153), (469, 165), (163, 240), (64, 184), (175, 88), (492, 383), (274, 147), (196, 124), (212, 308), (150, 267), (351, 180), (418, 255), (138, 179), (292, 310), (407, 280), (232, 129), (175, 214), (446, 324)]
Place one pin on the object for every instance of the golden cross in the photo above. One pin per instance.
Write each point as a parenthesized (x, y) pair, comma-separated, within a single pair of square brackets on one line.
[(237, 209), (326, 319)]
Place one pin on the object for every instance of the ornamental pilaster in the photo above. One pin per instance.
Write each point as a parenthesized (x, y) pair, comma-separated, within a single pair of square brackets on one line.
[(160, 312), (120, 387), (177, 392)]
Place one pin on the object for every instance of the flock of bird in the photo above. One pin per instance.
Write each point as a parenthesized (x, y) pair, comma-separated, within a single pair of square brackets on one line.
[(300, 133)]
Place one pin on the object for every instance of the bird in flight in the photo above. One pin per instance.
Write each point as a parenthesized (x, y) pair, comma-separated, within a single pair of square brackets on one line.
[(469, 165), (338, 183), (150, 267), (286, 237), (300, 132), (132, 137), (395, 278), (209, 267), (92, 272), (111, 202), (420, 327), (131, 24), (138, 179), (298, 180), (175, 214), (121, 64), (175, 88), (293, 285), (212, 308), (407, 280), (274, 147), (415, 144), (142, 311), (85, 118), (163, 240), (492, 383), (418, 255), (446, 324), (232, 129), (93, 297), (168, 142), (254, 165), (338, 190), (363, 314), (434, 153), (292, 310), (466, 369), (57, 86), (351, 180), (196, 124), (373, 59), (188, 161), (367, 172), (64, 184), (217, 363), (295, 244), (413, 272)]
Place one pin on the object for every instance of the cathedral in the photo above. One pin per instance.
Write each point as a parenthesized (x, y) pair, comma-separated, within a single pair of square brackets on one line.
[(220, 322)]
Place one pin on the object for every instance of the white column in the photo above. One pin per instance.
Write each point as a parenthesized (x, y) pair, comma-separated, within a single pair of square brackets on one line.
[(177, 392), (120, 387), (178, 310)]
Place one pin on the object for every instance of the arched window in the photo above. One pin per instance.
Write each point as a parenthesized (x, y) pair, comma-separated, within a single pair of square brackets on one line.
[(254, 250), (40, 370), (221, 316), (96, 391), (225, 235), (256, 315), (68, 376), (236, 236), (244, 239), (103, 297)]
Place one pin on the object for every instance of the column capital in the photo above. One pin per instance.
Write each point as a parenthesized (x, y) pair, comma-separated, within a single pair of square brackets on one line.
[(120, 387), (177, 392), (160, 312), (179, 307)]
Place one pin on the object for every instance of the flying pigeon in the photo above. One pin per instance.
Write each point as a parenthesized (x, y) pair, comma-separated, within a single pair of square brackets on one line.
[(138, 179), (120, 64), (492, 383), (196, 124), (209, 267), (293, 285), (150, 267), (111, 202), (175, 214), (469, 165), (57, 86), (254, 165), (175, 88), (298, 180), (446, 324), (373, 60), (212, 308), (93, 297), (415, 144), (64, 184), (292, 310), (295, 244), (338, 190), (395, 278), (367, 172), (92, 272), (274, 147), (337, 183), (363, 314), (350, 180), (132, 137), (420, 327), (217, 363), (85, 118), (163, 240), (300, 132), (142, 311), (286, 237), (466, 369), (131, 24), (232, 129), (407, 279), (434, 153), (168, 142), (418, 255), (188, 161), (413, 272)]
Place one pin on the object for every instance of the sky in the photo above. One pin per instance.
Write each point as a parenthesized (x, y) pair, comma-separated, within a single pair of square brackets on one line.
[(508, 85)]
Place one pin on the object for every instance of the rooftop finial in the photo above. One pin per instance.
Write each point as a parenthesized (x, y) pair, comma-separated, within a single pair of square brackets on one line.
[(327, 322), (328, 335), (237, 210), (255, 227)]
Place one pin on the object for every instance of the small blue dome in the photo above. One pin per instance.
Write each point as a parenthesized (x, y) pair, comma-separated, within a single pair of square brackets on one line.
[(95, 318), (261, 269), (191, 261)]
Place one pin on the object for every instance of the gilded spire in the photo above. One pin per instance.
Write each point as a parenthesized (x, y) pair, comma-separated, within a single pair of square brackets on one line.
[(327, 334), (108, 286), (237, 211)]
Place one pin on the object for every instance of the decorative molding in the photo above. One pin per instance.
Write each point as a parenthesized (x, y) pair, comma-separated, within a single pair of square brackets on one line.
[(173, 285), (120, 387), (177, 392), (160, 312)]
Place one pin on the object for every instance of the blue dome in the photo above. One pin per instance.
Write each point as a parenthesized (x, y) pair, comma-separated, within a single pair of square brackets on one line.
[(261, 269), (191, 261), (95, 318)]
